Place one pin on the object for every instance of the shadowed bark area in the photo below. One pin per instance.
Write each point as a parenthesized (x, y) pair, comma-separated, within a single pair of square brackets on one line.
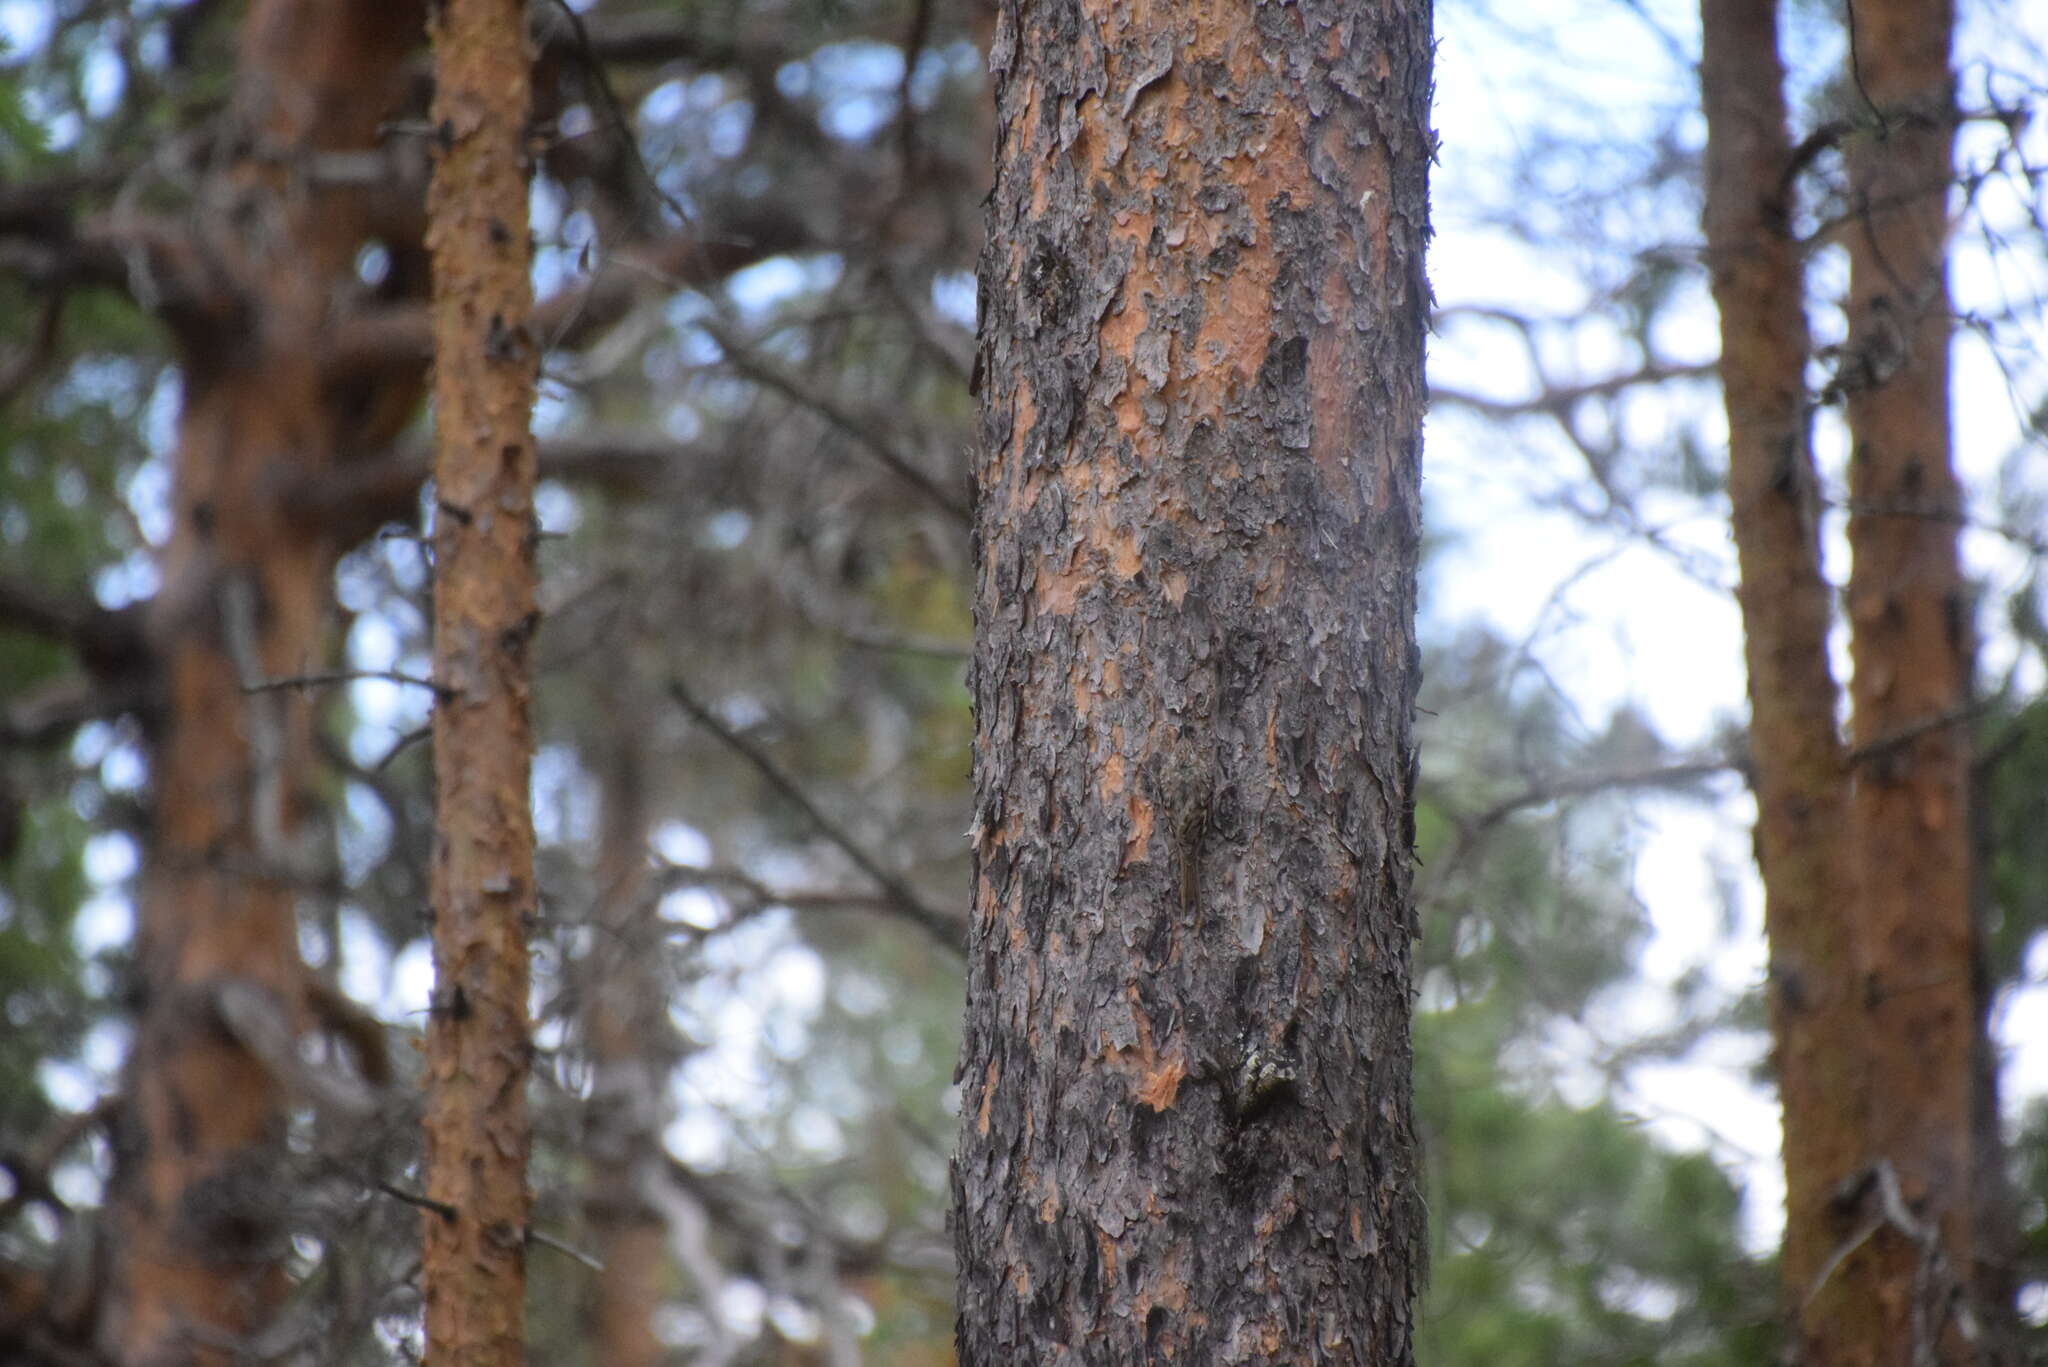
[(1787, 610), (198, 1201), (1185, 1129), (486, 361)]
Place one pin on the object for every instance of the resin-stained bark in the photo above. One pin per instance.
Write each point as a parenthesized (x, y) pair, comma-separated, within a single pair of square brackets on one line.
[(1186, 1130), (478, 1039), (198, 1205), (1787, 610)]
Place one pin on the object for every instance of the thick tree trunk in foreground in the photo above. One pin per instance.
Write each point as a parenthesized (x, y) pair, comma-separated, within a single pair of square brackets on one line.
[(486, 362), (1891, 1148), (199, 1201), (1186, 1127)]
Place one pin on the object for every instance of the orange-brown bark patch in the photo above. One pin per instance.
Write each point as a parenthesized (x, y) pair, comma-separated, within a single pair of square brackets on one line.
[(988, 1092), (1138, 834), (1159, 1088)]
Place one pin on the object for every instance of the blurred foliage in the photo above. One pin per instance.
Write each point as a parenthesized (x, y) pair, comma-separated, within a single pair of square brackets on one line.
[(821, 610), (1562, 1233)]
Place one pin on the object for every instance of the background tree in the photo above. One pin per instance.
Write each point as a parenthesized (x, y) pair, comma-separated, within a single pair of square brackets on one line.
[(198, 1201), (1892, 1153)]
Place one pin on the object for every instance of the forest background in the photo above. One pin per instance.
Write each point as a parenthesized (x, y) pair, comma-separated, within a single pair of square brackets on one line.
[(751, 780)]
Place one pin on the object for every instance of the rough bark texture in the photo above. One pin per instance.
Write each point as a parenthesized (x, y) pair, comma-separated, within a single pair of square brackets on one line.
[(478, 1045), (1185, 1125), (1891, 1149), (1787, 608), (1912, 642), (198, 1205)]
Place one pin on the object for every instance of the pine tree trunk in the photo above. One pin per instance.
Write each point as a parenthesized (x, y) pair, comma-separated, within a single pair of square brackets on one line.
[(199, 1201), (625, 1012), (1186, 1129), (486, 362), (1787, 609), (1892, 1157), (1912, 642)]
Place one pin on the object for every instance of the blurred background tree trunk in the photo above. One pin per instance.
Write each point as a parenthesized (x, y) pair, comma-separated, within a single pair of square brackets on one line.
[(1893, 1160), (1795, 751), (1186, 1127), (199, 1206), (1913, 642), (625, 1018)]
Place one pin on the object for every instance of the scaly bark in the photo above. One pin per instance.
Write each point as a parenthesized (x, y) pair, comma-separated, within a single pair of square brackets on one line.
[(198, 1205), (1186, 1125), (1787, 610), (486, 362)]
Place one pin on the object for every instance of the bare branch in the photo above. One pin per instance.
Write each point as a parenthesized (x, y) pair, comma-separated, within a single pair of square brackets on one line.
[(376, 339), (36, 610), (1472, 831), (901, 899), (49, 715), (342, 676), (759, 895), (351, 502), (110, 643), (1879, 746), (1556, 400), (752, 365)]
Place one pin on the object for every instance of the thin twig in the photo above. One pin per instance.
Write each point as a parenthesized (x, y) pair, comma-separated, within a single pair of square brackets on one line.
[(759, 894), (401, 745), (913, 48), (413, 1198), (1912, 731), (1856, 72), (615, 112), (900, 897), (768, 376), (341, 676), (547, 1240)]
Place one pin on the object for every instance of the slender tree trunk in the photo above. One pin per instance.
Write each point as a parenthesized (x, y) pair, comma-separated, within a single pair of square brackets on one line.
[(1186, 1129), (486, 361), (199, 1200), (1891, 1147), (626, 1016), (1787, 609), (1912, 642)]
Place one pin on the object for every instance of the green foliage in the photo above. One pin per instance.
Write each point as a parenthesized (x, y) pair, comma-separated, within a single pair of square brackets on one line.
[(43, 997), (1562, 1233), (2012, 787), (1566, 1234)]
